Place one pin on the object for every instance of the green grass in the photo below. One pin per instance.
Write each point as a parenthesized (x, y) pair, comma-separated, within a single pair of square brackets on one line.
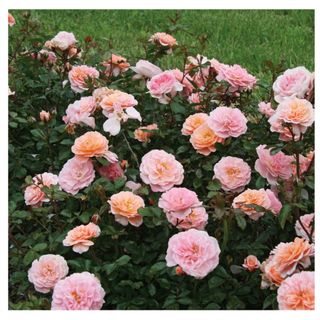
[(246, 37)]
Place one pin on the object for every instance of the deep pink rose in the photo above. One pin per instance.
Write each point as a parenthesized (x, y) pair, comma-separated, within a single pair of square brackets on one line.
[(161, 170), (76, 174), (194, 251), (111, 171), (80, 291), (292, 83), (233, 173), (179, 202), (227, 122)]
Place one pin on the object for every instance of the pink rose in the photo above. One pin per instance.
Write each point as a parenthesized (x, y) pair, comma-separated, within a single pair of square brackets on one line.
[(164, 86), (195, 98), (179, 202), (145, 69), (275, 204), (194, 251), (307, 222), (197, 219), (193, 122), (266, 108), (164, 39), (238, 77), (116, 65), (47, 57), (79, 75), (44, 116), (227, 122), (80, 238), (80, 112), (185, 80), (298, 113), (46, 179), (111, 171), (11, 20), (292, 83), (76, 174), (297, 292), (116, 99), (161, 170), (233, 173), (63, 40), (46, 271), (251, 263), (273, 167), (80, 291)]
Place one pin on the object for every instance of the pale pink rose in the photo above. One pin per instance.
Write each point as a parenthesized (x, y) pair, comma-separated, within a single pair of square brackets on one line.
[(195, 62), (266, 108), (117, 99), (76, 174), (273, 167), (233, 173), (193, 122), (79, 75), (288, 256), (297, 292), (275, 204), (111, 171), (292, 83), (80, 237), (184, 79), (145, 69), (80, 291), (194, 251), (133, 186), (200, 77), (298, 113), (116, 65), (161, 170), (44, 116), (238, 77), (227, 122), (46, 271), (163, 39), (304, 163), (197, 219), (307, 221), (46, 179), (144, 136), (47, 57), (164, 86), (34, 196), (63, 40), (251, 263), (80, 112), (125, 205), (179, 202), (253, 197), (11, 20), (195, 98)]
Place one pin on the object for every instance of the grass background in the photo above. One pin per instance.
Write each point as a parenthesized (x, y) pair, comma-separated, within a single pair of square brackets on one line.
[(247, 37)]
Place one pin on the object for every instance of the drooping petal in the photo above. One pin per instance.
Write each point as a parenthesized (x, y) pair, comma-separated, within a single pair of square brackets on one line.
[(133, 113), (112, 125)]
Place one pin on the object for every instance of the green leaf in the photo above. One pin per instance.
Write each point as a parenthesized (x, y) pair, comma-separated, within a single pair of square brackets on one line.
[(241, 221), (178, 108), (123, 260), (40, 247), (37, 133), (157, 267), (29, 257), (269, 301), (214, 185), (215, 282), (234, 303), (283, 215), (150, 212), (260, 183)]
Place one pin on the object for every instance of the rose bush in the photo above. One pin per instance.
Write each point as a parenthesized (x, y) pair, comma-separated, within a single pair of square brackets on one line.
[(134, 186)]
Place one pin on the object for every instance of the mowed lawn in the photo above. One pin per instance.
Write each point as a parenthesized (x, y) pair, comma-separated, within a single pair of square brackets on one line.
[(246, 37)]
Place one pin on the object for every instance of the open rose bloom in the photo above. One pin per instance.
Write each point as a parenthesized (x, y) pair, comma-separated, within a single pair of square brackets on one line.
[(194, 251), (46, 271), (80, 75), (80, 238), (143, 134), (116, 65), (193, 122), (125, 205), (161, 170), (163, 39), (79, 291), (233, 173)]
